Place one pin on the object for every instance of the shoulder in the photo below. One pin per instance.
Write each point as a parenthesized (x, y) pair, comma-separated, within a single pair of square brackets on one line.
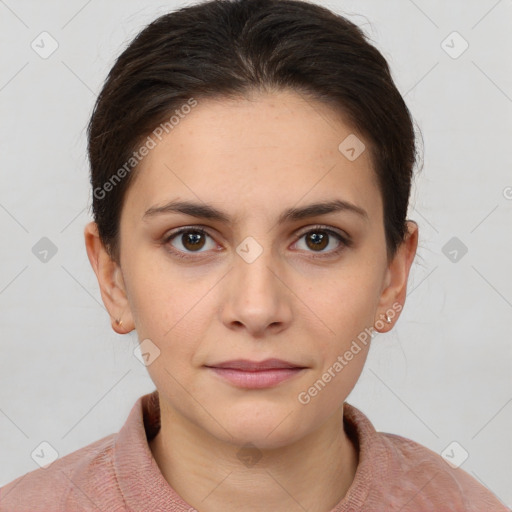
[(68, 481), (427, 480), (395, 473)]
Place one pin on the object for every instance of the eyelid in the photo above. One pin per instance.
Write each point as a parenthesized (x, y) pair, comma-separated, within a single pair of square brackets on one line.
[(345, 236)]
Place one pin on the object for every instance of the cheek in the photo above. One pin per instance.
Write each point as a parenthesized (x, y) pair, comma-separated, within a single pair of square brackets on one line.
[(162, 298), (174, 313), (345, 307), (341, 356)]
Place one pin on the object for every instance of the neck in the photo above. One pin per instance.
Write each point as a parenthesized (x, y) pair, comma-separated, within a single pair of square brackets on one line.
[(311, 474)]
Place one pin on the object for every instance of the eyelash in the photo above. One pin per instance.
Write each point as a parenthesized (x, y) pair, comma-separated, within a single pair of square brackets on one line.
[(345, 241)]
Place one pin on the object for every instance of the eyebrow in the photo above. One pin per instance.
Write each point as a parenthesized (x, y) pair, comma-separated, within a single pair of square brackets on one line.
[(205, 211)]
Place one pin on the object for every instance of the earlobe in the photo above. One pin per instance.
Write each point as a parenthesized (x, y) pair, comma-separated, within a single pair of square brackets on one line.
[(110, 281)]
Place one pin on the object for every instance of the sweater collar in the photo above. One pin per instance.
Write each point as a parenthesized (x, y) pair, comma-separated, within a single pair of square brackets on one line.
[(141, 483), (144, 487)]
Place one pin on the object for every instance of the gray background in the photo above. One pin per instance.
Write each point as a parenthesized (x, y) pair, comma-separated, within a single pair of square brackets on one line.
[(441, 375)]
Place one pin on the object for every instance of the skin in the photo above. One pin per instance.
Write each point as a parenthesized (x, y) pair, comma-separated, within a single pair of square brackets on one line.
[(253, 158)]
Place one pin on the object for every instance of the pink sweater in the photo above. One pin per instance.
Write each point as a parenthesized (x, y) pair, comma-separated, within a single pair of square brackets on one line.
[(119, 473)]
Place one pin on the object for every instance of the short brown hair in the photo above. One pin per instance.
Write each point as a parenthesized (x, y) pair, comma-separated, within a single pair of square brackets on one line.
[(228, 48)]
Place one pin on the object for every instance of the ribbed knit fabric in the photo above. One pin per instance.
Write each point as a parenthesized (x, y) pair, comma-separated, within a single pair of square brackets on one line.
[(119, 473)]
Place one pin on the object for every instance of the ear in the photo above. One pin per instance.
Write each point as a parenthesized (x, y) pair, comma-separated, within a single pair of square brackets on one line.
[(110, 280), (394, 289)]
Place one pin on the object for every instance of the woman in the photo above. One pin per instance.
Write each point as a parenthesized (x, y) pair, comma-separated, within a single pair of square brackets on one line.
[(251, 165)]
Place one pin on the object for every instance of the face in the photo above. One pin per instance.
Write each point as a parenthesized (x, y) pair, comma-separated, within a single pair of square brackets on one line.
[(254, 283)]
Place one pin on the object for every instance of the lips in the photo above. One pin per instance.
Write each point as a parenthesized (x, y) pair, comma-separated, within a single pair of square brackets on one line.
[(243, 373), (255, 366)]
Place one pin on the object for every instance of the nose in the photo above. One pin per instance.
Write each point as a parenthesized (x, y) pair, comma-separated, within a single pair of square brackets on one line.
[(257, 298)]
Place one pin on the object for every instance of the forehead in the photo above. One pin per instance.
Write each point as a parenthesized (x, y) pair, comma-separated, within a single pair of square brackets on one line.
[(261, 153)]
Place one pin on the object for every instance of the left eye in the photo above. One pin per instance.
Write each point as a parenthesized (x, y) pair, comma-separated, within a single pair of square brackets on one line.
[(320, 238)]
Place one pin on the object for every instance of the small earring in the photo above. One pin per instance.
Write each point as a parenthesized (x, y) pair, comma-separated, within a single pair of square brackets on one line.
[(119, 322), (388, 320)]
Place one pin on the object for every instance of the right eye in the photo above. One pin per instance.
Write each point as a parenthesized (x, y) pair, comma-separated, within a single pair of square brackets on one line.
[(191, 241)]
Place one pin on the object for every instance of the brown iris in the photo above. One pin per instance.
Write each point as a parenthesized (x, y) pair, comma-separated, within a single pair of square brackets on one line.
[(317, 240), (192, 240)]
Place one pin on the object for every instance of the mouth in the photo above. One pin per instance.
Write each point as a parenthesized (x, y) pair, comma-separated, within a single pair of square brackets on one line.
[(256, 375)]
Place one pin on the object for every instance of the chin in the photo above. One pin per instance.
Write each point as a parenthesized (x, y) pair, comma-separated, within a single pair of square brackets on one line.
[(266, 433)]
